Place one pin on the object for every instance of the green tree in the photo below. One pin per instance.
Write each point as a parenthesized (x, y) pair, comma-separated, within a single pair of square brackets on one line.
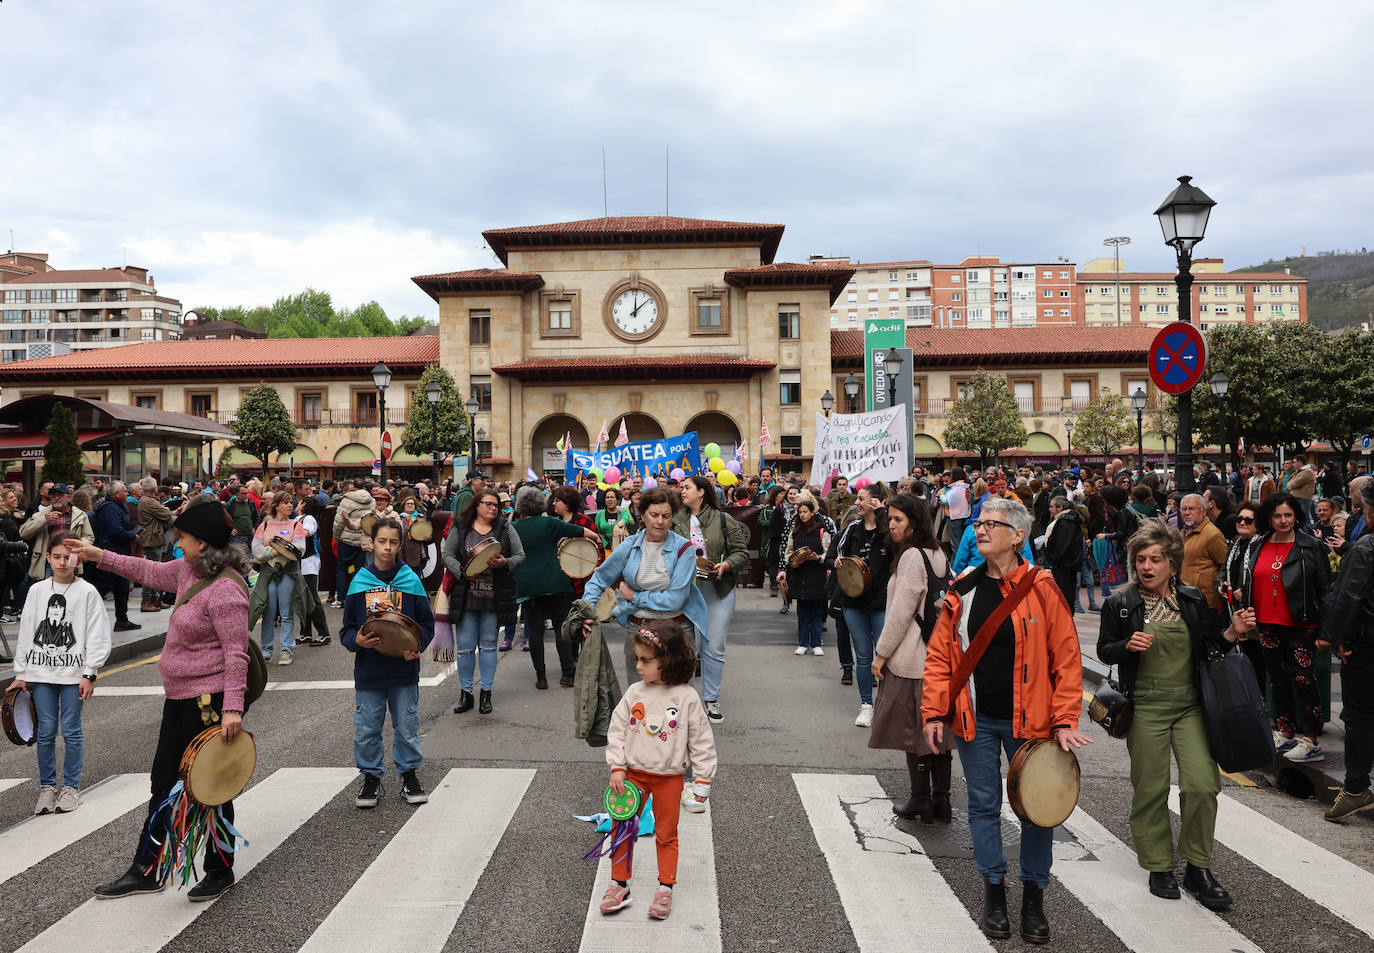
[(1344, 407), (1161, 416), (306, 314), (1105, 424), (262, 426), (454, 427), (62, 457), (987, 420)]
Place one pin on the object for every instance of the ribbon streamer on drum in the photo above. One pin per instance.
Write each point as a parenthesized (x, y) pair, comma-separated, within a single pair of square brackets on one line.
[(179, 829)]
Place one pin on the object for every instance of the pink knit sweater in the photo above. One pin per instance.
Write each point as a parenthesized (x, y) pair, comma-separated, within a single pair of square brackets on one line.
[(207, 640)]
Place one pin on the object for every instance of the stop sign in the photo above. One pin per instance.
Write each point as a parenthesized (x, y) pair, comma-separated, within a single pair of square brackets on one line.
[(386, 445)]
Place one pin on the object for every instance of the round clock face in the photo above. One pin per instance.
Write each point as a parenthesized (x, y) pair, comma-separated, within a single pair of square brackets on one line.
[(635, 311)]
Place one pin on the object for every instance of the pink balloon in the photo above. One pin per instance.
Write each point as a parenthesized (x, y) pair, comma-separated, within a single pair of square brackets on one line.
[(650, 483), (612, 475), (734, 467), (862, 482), (678, 473), (591, 501)]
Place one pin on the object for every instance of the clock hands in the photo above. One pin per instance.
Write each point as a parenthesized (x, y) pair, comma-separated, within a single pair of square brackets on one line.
[(642, 301)]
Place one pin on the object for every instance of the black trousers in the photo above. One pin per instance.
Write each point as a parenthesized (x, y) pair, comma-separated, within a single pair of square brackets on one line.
[(181, 722), (553, 609), (1357, 711), (843, 645), (1067, 581), (104, 582)]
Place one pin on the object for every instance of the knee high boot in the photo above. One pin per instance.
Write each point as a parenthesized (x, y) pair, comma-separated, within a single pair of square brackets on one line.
[(918, 766), (939, 786)]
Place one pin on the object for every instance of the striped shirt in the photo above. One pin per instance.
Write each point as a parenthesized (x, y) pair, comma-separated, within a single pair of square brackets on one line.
[(652, 577)]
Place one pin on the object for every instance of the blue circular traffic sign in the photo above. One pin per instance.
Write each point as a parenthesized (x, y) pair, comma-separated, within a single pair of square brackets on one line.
[(1178, 358)]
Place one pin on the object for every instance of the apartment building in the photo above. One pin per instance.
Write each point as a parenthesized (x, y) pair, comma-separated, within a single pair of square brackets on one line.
[(81, 308), (1219, 297), (978, 292)]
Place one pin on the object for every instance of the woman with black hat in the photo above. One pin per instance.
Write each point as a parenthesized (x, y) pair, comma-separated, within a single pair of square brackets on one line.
[(204, 669)]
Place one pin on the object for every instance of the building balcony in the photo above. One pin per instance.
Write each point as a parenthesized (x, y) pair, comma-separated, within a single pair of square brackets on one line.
[(348, 417), (943, 407)]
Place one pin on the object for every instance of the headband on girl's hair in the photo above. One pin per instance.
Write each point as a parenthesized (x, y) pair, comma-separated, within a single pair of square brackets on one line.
[(651, 637)]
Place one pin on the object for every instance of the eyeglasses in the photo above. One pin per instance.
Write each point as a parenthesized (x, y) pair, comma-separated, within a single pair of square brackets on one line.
[(1245, 521), (979, 524), (488, 503)]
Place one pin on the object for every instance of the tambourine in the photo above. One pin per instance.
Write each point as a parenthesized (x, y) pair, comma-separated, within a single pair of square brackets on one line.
[(578, 556), (19, 718), (368, 521), (854, 576), (215, 771), (479, 558), (623, 807), (421, 530), (705, 568), (284, 548), (800, 555), (399, 632), (605, 606), (1043, 782)]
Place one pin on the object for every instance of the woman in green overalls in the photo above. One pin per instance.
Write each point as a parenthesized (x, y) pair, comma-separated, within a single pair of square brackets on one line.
[(1157, 631)]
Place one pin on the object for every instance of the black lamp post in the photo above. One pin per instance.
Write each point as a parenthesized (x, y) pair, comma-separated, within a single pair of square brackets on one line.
[(477, 448), (892, 364), (827, 402), (1068, 429), (1183, 218), (434, 392), (1138, 402), (851, 391), (472, 406), (1220, 384), (381, 376)]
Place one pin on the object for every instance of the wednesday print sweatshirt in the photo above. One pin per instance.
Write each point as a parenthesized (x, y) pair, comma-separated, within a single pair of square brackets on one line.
[(64, 633)]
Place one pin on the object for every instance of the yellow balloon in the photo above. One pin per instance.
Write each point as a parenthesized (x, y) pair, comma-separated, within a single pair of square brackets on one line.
[(715, 464), (726, 478)]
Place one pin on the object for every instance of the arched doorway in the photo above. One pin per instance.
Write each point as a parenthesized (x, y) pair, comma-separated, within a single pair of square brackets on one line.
[(1040, 449), (354, 454), (544, 450), (926, 450), (715, 427), (638, 427)]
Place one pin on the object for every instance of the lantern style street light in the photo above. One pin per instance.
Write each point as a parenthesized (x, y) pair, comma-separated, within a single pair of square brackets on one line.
[(1183, 219), (1138, 402), (472, 406), (381, 376), (1068, 428), (1220, 385), (851, 391), (434, 392), (827, 402)]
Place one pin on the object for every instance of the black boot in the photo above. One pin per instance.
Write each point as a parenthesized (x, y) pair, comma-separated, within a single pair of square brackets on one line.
[(1034, 927), (939, 787), (846, 675), (1199, 882), (996, 923), (918, 766), (134, 881), (484, 702), (464, 702), (214, 883)]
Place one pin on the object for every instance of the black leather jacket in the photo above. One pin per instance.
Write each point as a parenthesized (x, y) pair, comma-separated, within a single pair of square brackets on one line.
[(1349, 617), (1123, 614), (1306, 575)]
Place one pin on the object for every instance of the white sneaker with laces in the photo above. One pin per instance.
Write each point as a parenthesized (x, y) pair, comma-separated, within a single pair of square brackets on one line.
[(801, 650), (865, 719), (1306, 750), (690, 804), (284, 658), (818, 651)]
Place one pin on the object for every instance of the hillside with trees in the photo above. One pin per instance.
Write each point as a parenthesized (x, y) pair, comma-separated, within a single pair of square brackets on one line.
[(311, 314), (1340, 286)]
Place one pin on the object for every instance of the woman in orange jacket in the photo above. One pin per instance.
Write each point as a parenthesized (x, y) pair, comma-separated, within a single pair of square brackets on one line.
[(1027, 685)]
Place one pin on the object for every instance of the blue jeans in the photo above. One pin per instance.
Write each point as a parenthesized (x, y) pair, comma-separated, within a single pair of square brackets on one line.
[(864, 629), (711, 643), (1085, 576), (47, 700), (810, 615), (982, 763), (368, 717), (279, 592), (476, 631)]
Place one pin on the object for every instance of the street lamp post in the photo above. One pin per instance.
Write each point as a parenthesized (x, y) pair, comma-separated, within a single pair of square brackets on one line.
[(851, 391), (434, 392), (477, 448), (892, 364), (472, 406), (1116, 244), (1138, 402), (1068, 428), (827, 402), (1183, 219), (1220, 384), (381, 376)]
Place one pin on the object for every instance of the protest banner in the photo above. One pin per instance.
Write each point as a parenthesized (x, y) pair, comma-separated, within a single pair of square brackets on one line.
[(656, 458), (872, 445)]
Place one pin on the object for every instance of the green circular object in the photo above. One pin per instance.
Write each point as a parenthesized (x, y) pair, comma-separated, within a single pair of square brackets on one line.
[(623, 807)]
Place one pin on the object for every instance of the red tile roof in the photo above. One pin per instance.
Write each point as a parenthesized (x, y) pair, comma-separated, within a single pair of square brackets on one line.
[(1006, 346), (635, 230), (660, 368), (76, 277), (792, 275), (478, 279), (266, 357)]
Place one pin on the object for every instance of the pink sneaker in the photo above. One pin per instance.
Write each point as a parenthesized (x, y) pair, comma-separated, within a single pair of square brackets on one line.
[(662, 904), (616, 898)]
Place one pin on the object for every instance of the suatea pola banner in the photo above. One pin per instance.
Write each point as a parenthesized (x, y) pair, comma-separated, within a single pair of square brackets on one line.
[(656, 458)]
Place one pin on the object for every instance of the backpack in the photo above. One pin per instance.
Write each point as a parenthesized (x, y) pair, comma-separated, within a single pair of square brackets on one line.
[(935, 598), (257, 665)]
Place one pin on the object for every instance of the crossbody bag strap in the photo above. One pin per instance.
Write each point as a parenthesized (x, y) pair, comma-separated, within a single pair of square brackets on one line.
[(200, 587), (974, 654)]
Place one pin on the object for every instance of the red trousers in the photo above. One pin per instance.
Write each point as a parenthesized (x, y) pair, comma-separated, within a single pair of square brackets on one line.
[(667, 793)]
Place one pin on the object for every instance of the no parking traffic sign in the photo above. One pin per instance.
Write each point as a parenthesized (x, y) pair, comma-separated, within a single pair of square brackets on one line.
[(1178, 357)]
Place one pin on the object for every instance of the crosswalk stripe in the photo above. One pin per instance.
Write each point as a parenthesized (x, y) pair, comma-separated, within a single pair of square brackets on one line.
[(269, 813), (415, 876), (37, 838), (694, 926), (1103, 874), (135, 691), (890, 888), (1313, 871), (7, 783)]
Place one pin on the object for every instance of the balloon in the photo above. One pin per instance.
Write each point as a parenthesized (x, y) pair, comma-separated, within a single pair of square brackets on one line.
[(596, 472), (711, 450), (650, 483), (613, 474), (726, 478), (678, 473), (734, 467), (862, 482), (715, 464)]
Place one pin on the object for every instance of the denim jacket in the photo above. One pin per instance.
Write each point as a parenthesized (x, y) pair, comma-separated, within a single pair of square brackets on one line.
[(681, 596)]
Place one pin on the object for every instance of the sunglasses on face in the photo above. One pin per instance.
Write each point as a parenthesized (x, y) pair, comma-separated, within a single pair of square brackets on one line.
[(1245, 521)]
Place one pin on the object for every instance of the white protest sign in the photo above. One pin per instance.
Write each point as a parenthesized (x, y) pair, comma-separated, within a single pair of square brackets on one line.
[(872, 445)]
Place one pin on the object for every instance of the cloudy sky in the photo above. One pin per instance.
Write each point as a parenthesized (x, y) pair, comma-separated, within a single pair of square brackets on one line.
[(244, 150)]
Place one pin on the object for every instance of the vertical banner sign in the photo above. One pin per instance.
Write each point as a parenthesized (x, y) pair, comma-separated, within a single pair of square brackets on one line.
[(879, 334), (905, 389)]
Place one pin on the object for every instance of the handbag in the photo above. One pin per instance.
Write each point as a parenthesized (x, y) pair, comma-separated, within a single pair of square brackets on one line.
[(1111, 708), (1234, 713)]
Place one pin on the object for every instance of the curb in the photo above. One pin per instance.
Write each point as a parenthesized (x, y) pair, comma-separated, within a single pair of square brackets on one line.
[(118, 653)]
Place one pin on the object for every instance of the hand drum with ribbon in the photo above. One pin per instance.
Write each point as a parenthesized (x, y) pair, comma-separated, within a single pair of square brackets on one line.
[(624, 810)]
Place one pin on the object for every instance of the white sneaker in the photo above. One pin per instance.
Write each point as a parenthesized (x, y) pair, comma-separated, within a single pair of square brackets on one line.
[(284, 658), (865, 719), (1305, 750), (690, 804), (801, 650), (818, 651)]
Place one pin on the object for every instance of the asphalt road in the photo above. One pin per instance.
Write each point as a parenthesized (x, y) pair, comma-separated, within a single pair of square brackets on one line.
[(781, 882)]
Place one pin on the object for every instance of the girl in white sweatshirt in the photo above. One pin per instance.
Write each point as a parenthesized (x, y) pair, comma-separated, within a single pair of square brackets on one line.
[(64, 638)]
